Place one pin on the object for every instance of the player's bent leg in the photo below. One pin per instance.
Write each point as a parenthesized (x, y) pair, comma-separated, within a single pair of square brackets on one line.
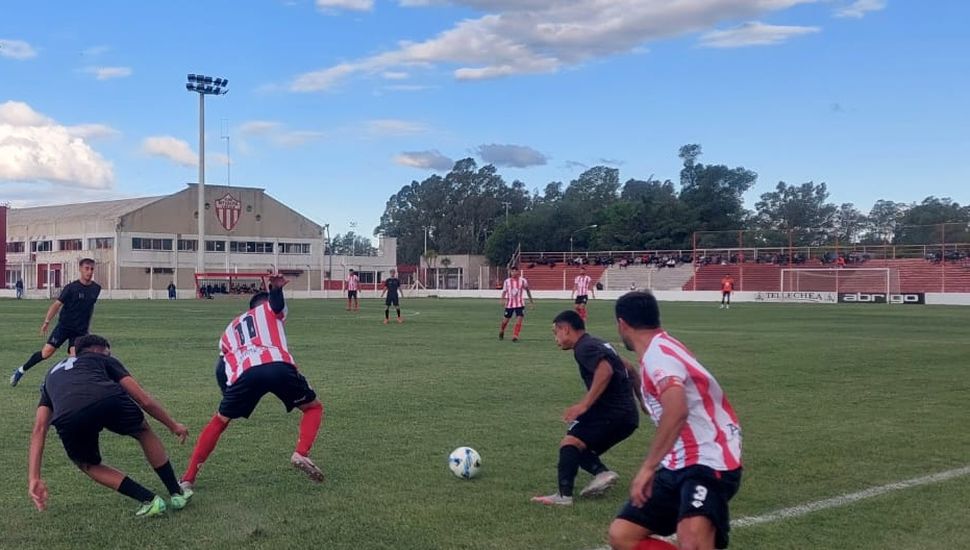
[(626, 535), (695, 533)]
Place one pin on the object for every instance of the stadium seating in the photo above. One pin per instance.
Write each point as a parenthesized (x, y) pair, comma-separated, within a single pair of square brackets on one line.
[(909, 275), (646, 277), (558, 277)]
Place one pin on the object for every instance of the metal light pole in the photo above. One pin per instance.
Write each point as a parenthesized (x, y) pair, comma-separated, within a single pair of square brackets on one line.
[(353, 242), (573, 234), (203, 85)]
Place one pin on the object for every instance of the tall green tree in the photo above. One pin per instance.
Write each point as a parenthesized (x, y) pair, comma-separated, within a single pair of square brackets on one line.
[(714, 193), (803, 210), (883, 218), (934, 220)]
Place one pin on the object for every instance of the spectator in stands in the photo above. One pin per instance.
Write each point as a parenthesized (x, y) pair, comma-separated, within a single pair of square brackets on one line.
[(840, 262)]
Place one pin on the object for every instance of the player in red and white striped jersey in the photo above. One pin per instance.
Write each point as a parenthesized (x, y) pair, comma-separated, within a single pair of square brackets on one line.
[(582, 289), (693, 467), (514, 300), (255, 361), (353, 286)]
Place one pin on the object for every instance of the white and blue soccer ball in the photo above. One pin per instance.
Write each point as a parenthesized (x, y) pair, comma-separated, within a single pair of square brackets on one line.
[(465, 462)]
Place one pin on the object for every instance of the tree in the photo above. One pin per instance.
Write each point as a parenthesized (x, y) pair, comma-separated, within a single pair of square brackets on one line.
[(932, 221), (801, 210), (713, 193), (883, 219), (849, 223), (352, 243)]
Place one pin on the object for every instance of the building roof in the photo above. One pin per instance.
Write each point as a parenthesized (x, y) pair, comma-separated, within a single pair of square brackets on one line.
[(108, 210)]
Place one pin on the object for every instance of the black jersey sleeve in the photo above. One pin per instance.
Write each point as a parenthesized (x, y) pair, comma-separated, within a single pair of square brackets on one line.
[(589, 355), (45, 400), (65, 294), (116, 371)]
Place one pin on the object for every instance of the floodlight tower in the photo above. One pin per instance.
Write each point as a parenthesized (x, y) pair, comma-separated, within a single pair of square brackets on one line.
[(203, 85)]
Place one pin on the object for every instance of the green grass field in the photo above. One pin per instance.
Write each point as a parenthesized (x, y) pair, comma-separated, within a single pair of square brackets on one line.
[(832, 399)]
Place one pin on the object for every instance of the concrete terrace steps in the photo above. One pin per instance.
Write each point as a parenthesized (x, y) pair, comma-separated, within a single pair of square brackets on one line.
[(559, 277)]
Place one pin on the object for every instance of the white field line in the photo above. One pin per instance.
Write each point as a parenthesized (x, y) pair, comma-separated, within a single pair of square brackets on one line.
[(843, 500)]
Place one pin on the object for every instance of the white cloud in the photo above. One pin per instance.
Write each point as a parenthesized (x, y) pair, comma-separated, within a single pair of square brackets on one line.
[(259, 127), (173, 149), (35, 148), (92, 131), (394, 127), (395, 75), (516, 156), (860, 8), (753, 33), (543, 36), (354, 5), (16, 49), (425, 160), (107, 73), (277, 133)]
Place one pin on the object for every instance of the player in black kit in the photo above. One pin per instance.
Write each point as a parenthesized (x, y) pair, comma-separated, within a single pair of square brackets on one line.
[(605, 416), (76, 304), (85, 394), (392, 286)]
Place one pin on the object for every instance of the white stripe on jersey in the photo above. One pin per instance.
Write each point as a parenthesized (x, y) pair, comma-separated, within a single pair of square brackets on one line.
[(712, 434), (255, 338), (352, 282), (581, 284), (514, 290)]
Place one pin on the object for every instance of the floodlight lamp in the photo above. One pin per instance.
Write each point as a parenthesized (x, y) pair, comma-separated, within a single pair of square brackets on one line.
[(192, 77)]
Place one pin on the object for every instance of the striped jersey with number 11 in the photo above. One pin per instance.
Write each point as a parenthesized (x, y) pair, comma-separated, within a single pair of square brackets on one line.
[(255, 338)]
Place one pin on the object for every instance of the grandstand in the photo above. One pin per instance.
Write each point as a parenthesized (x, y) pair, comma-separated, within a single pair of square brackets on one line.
[(922, 268)]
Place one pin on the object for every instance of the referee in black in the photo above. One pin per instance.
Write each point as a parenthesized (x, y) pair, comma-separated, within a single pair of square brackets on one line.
[(606, 415), (76, 304), (85, 394)]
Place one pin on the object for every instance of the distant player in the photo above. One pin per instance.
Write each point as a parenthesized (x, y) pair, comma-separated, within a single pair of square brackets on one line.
[(512, 290), (256, 361), (91, 392), (76, 304), (727, 287), (605, 416), (693, 467), (392, 286), (582, 289), (353, 283)]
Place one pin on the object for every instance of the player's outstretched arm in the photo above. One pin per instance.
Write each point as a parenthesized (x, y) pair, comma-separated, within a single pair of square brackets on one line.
[(153, 407), (35, 484), (51, 313), (276, 301)]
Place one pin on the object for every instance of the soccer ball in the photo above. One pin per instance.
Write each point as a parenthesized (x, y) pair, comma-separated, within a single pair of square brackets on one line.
[(464, 462)]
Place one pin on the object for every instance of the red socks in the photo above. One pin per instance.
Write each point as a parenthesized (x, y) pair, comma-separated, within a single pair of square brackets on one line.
[(517, 329), (505, 323), (309, 425), (654, 544), (204, 447)]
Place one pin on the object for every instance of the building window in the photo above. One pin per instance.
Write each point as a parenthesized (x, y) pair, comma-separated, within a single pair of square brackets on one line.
[(101, 243), (250, 247), (41, 246), (16, 247), (139, 243), (215, 246), (294, 248), (365, 276), (188, 245), (69, 244)]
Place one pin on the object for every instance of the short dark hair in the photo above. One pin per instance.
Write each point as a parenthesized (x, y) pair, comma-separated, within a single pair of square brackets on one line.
[(86, 261), (570, 318), (258, 298), (89, 341), (639, 310)]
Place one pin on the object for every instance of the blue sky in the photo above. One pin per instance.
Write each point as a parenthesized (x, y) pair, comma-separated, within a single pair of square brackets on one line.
[(336, 104)]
